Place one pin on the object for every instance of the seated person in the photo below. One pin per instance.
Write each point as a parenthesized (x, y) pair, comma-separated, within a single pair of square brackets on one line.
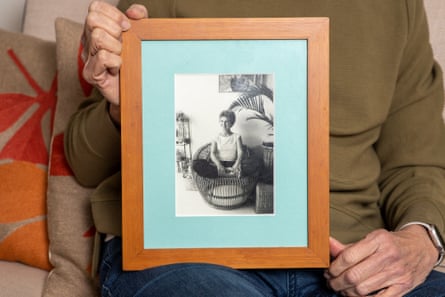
[(387, 161), (226, 151)]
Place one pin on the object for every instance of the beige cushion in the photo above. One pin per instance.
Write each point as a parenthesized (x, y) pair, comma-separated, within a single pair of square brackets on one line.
[(70, 225), (436, 17), (20, 280), (41, 15)]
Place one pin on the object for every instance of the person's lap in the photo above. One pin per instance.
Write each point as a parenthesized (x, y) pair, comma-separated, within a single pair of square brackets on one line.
[(199, 279)]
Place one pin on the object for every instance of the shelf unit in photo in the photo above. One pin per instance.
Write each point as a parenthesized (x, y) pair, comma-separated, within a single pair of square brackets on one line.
[(183, 146)]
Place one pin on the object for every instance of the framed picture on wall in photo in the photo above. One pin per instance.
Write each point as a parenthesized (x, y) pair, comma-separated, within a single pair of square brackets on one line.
[(225, 135)]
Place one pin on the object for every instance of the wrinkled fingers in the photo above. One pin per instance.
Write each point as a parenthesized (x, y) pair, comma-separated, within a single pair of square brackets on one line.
[(102, 64), (103, 14), (101, 40), (104, 23), (102, 71), (112, 25)]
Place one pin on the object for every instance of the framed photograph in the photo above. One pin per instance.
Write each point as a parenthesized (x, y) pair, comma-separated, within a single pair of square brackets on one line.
[(225, 142)]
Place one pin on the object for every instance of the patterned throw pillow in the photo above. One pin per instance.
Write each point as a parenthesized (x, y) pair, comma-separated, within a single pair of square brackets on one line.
[(27, 99), (70, 225)]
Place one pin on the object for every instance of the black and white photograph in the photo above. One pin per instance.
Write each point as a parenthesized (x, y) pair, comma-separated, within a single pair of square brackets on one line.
[(224, 144)]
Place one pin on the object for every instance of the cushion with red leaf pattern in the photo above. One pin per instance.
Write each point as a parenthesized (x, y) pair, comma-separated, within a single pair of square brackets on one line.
[(28, 88), (70, 224)]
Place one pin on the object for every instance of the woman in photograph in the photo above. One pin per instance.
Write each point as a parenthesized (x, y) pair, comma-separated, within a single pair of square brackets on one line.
[(226, 151)]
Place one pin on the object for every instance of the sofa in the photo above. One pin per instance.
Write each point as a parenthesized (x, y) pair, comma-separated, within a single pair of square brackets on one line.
[(46, 228)]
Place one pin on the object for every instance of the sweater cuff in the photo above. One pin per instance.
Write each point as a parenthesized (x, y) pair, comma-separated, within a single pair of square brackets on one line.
[(425, 212)]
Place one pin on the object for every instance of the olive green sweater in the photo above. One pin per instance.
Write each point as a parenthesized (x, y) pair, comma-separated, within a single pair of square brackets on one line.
[(387, 136)]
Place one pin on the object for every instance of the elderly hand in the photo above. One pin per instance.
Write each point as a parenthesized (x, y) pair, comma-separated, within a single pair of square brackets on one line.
[(102, 47), (382, 264)]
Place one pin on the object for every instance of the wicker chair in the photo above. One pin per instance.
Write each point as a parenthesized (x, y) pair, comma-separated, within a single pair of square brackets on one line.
[(227, 192)]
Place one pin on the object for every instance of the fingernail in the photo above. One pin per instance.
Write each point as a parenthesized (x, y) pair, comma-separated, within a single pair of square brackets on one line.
[(125, 25)]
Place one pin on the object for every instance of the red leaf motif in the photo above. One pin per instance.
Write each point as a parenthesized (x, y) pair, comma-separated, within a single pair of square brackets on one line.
[(26, 122), (90, 232), (59, 164)]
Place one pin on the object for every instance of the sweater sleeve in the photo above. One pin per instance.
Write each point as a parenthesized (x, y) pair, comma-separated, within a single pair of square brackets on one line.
[(411, 146), (92, 142)]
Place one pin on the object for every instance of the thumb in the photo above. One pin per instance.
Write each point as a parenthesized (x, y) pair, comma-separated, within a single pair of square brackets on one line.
[(137, 12), (335, 247)]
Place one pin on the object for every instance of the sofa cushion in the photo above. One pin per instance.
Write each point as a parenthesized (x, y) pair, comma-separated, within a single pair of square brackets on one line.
[(21, 280), (40, 22), (435, 10), (27, 100), (71, 228)]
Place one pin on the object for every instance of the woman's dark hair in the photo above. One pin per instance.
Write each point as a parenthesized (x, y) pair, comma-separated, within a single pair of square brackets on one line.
[(230, 115)]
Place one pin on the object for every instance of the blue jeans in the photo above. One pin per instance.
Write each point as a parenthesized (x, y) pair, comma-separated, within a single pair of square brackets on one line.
[(207, 280)]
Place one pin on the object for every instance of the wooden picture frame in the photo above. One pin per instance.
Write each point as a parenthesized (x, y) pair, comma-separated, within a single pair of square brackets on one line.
[(139, 166)]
